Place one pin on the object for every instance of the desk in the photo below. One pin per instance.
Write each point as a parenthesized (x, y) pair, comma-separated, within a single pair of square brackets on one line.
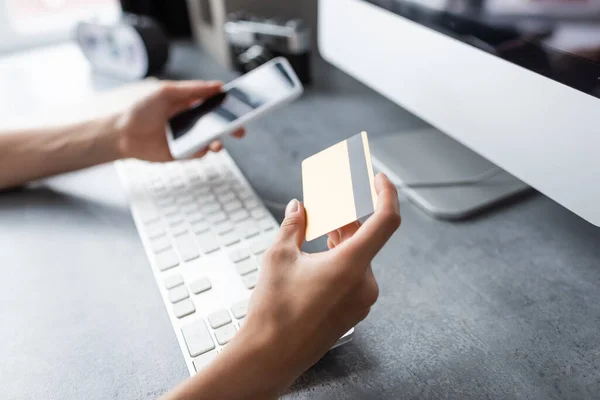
[(502, 306)]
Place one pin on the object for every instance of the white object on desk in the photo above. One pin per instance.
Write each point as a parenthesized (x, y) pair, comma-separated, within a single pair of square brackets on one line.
[(64, 91)]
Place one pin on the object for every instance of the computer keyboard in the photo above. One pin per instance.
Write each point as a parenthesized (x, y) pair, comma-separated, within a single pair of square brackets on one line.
[(204, 230)]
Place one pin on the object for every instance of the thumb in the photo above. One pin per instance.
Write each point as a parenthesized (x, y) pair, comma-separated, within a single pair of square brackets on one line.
[(293, 227)]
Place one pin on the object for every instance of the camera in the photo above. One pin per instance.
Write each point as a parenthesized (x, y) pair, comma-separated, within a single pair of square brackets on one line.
[(253, 41)]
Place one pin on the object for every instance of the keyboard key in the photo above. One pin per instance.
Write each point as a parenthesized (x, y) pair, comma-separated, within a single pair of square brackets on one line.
[(240, 309), (225, 333), (248, 229), (179, 230), (224, 227), (190, 167), (144, 207), (195, 177), (232, 206), (259, 213), (211, 173), (178, 185), (166, 260), (200, 285), (239, 255), (186, 199), (239, 215), (156, 182), (201, 190), (174, 219), (227, 173), (204, 360), (186, 247), (171, 172), (266, 225), (173, 281), (178, 293), (197, 338), (158, 186), (148, 215), (196, 216), (246, 266), (207, 242), (259, 260), (164, 201), (236, 185), (170, 210), (245, 194), (230, 238), (217, 217), (206, 198), (162, 197), (200, 226), (155, 230), (226, 197), (222, 188), (219, 318), (160, 244), (183, 308), (260, 245), (211, 208), (250, 280), (251, 203), (191, 208)]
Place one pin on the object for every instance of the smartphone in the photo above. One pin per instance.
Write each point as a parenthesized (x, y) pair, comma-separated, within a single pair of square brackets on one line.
[(241, 101)]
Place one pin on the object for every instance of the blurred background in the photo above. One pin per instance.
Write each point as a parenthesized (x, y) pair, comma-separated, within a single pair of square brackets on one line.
[(79, 47), (28, 23)]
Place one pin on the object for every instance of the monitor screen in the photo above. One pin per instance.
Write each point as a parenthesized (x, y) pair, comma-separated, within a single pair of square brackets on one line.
[(559, 39)]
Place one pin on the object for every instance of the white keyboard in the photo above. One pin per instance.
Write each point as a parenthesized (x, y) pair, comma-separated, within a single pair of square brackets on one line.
[(204, 231)]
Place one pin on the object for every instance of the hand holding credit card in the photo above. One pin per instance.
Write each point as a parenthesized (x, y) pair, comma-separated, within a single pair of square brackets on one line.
[(338, 186)]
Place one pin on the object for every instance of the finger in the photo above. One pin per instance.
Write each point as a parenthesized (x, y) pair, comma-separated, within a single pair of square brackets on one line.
[(376, 231), (240, 133), (346, 232), (216, 146), (293, 227), (330, 244), (334, 238), (201, 153), (181, 96), (190, 90)]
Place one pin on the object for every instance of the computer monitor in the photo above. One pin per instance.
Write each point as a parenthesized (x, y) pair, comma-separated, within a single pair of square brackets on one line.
[(510, 83)]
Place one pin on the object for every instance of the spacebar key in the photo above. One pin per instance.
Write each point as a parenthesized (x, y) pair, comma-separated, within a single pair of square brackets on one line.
[(197, 338)]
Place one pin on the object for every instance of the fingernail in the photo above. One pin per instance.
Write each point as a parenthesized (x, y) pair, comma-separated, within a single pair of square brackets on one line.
[(292, 207)]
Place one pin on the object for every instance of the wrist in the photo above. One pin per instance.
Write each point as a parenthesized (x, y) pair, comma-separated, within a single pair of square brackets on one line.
[(244, 370), (255, 361), (107, 139)]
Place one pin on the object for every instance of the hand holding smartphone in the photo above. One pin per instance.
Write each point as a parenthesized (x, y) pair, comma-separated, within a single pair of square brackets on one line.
[(242, 100)]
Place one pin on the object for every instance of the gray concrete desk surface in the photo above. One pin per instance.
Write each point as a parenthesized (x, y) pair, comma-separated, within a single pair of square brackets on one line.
[(503, 306)]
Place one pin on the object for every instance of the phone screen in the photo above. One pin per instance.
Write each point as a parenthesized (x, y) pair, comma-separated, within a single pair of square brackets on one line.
[(258, 89)]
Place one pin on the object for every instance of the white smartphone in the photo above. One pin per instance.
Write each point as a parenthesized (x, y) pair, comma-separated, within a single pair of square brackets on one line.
[(241, 101)]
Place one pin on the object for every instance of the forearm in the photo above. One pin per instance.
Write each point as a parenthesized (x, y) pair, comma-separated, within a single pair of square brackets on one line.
[(39, 153)]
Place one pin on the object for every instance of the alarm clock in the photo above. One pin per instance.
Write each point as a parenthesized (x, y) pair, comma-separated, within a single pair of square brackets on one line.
[(133, 48)]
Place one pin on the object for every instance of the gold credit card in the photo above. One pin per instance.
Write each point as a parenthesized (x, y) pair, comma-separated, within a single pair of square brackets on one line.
[(338, 185)]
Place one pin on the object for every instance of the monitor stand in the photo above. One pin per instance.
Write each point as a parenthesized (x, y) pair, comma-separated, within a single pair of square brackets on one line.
[(427, 156)]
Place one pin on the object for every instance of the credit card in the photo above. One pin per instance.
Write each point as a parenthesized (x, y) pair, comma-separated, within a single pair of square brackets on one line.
[(339, 186)]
